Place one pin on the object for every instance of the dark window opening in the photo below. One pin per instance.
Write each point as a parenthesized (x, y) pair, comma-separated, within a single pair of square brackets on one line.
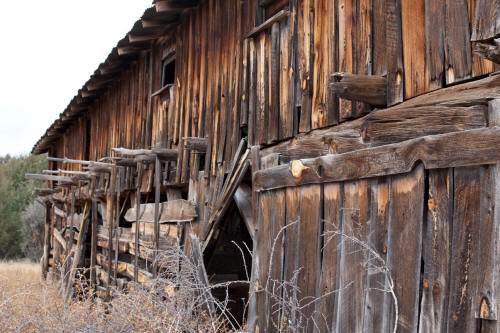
[(272, 7), (168, 72)]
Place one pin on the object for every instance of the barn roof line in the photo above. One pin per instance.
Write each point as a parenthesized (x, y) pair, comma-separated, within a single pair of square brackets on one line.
[(154, 23)]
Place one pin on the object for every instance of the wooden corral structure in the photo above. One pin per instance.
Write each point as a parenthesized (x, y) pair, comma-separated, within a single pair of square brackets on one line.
[(305, 129)]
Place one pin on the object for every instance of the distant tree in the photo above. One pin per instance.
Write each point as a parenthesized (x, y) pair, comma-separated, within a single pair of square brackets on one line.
[(15, 196), (32, 230)]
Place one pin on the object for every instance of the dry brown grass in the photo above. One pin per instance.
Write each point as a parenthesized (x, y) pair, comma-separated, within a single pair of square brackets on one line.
[(29, 304)]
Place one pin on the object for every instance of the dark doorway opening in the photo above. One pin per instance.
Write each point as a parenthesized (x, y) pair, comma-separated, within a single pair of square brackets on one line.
[(227, 259)]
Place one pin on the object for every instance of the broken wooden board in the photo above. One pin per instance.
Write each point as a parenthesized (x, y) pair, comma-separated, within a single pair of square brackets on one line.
[(170, 211)]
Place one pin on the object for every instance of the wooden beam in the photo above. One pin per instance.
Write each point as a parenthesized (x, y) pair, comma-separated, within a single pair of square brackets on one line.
[(279, 16), (82, 235), (137, 215), (197, 144), (93, 244), (243, 200), (165, 154), (59, 238), (371, 89), (174, 5), (456, 108), (488, 49), (170, 211), (63, 179), (197, 255), (156, 234), (465, 148)]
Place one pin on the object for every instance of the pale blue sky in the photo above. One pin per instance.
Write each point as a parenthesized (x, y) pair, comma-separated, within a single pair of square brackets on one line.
[(48, 50)]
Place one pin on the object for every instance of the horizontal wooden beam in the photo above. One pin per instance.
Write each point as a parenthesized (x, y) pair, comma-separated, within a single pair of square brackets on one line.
[(196, 144), (279, 16), (488, 49), (465, 148), (456, 108), (371, 89), (48, 177), (179, 210), (173, 5)]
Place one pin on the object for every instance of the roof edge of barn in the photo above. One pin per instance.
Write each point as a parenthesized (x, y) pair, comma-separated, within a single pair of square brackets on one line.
[(155, 22)]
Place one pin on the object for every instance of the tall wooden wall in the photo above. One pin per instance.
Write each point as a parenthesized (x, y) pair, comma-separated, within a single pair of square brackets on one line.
[(246, 71)]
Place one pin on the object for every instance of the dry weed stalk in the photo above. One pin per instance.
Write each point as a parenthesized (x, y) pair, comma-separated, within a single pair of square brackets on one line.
[(178, 300)]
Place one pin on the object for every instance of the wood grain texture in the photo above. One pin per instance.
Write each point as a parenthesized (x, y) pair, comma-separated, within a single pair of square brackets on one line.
[(405, 232), (458, 52), (436, 251), (352, 271), (473, 147), (326, 308), (465, 238)]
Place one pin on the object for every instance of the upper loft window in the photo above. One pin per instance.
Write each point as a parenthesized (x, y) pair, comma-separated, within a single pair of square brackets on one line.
[(168, 71), (272, 7)]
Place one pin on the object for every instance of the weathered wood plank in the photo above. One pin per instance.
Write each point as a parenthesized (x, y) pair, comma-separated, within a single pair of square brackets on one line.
[(436, 251), (380, 191), (243, 200), (464, 251), (179, 210), (434, 43), (276, 260), (305, 33), (352, 272), (458, 53), (414, 43), (371, 89), (326, 308), (395, 80), (445, 110), (405, 233), (309, 250), (473, 147)]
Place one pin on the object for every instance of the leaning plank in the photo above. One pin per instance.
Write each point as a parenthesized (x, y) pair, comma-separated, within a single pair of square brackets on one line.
[(197, 255), (243, 200), (456, 108), (82, 235), (371, 89), (60, 239), (179, 210), (473, 147), (279, 16)]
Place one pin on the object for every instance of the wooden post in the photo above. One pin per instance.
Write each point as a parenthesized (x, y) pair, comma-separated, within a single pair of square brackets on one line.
[(109, 219), (93, 244), (78, 253), (117, 223), (252, 299), (156, 236), (69, 241), (46, 241), (137, 211)]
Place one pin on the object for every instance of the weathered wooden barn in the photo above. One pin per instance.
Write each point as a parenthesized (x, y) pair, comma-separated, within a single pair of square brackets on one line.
[(352, 144)]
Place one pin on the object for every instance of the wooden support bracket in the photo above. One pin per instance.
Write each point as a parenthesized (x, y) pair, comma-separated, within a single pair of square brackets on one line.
[(371, 89)]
